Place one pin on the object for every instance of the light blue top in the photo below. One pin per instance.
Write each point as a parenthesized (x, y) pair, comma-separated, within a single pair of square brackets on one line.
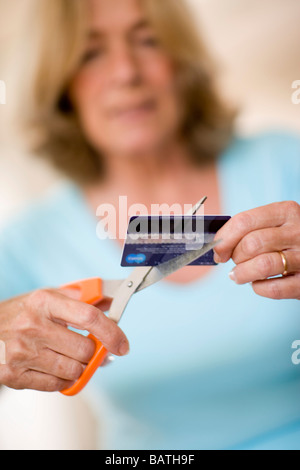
[(210, 364)]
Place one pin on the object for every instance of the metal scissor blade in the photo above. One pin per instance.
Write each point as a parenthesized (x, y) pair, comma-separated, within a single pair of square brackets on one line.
[(164, 270), (111, 287), (197, 206), (144, 276), (127, 288)]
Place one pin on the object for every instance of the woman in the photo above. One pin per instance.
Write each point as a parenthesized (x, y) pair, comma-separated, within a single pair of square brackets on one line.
[(122, 101)]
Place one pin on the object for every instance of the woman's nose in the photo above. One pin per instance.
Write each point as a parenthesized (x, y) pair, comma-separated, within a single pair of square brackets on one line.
[(124, 67)]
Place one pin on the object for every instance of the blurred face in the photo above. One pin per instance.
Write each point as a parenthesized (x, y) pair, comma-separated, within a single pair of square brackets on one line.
[(124, 91)]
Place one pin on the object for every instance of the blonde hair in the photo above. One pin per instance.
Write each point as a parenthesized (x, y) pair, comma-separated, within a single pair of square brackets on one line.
[(51, 126)]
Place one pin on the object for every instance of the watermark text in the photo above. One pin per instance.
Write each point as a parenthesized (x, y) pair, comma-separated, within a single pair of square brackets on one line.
[(296, 354), (296, 93), (2, 92), (113, 221)]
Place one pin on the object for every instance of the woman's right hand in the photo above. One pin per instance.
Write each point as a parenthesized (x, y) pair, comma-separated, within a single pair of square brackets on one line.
[(41, 353)]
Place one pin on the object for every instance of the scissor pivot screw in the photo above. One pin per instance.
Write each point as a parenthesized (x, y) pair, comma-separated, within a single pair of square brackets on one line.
[(130, 284)]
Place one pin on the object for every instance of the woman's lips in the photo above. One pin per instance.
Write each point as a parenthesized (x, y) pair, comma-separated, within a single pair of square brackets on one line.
[(134, 112)]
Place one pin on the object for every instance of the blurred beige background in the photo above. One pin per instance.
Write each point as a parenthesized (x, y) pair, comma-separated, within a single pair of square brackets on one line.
[(257, 43)]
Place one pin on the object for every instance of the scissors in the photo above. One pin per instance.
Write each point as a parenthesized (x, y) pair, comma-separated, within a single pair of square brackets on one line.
[(92, 291)]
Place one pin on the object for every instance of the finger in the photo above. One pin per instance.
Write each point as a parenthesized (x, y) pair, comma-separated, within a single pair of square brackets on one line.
[(265, 266), (84, 317), (266, 241), (75, 294), (281, 288), (72, 293), (104, 305), (273, 215), (62, 367), (32, 380), (69, 343), (21, 355)]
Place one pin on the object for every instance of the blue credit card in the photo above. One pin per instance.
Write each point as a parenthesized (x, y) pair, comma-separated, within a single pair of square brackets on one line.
[(153, 240)]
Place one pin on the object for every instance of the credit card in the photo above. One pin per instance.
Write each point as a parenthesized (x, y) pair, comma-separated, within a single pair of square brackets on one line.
[(153, 240)]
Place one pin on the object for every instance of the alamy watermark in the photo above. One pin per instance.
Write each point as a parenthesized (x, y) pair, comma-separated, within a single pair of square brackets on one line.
[(296, 353), (162, 221), (296, 93), (2, 92)]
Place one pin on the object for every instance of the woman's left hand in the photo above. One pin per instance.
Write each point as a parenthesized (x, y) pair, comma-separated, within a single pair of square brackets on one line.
[(264, 243)]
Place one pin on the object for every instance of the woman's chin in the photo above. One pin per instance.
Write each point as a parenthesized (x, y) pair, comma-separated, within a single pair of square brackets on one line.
[(142, 148)]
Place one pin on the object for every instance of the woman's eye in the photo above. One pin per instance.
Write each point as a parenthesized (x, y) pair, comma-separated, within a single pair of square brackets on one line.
[(148, 41), (91, 54)]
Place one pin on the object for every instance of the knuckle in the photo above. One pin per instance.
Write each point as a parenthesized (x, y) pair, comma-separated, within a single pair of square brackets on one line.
[(54, 384), (38, 299), (60, 366), (16, 351), (90, 316), (13, 377), (86, 349), (243, 222), (68, 369), (27, 324), (251, 244), (275, 291), (293, 208), (265, 266), (75, 371)]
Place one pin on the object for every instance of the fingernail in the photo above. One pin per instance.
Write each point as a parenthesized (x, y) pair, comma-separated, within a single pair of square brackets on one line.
[(232, 276), (124, 348)]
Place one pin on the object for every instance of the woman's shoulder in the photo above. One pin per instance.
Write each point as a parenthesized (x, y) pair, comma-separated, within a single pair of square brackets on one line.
[(266, 155), (35, 238), (39, 218), (268, 162), (274, 145)]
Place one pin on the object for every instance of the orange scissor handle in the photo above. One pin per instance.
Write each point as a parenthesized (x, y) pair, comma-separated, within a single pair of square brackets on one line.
[(90, 293)]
